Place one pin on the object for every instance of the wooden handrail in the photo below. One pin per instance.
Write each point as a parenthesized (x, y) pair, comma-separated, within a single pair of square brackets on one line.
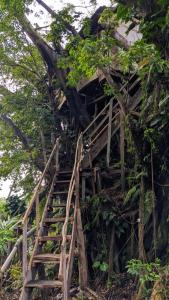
[(35, 200), (63, 270), (102, 130), (95, 118), (35, 194)]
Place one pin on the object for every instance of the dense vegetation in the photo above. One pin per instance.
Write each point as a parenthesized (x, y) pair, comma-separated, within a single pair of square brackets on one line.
[(38, 65)]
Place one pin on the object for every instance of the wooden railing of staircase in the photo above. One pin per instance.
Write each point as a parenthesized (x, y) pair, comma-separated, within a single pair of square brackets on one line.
[(35, 203), (65, 270), (102, 124)]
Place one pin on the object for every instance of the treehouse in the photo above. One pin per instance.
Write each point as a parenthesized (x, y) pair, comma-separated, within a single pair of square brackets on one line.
[(85, 162)]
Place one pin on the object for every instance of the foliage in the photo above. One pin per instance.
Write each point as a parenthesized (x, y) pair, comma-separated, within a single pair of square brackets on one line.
[(147, 272), (102, 266), (6, 233), (15, 205)]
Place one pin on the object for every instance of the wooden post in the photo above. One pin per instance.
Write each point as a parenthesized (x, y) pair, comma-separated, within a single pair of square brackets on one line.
[(81, 251), (80, 236), (122, 151), (109, 132), (83, 187), (24, 255), (37, 214), (57, 158)]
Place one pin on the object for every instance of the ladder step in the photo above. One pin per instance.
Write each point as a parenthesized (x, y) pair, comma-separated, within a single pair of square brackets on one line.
[(57, 220), (59, 205), (43, 284), (65, 172), (60, 193), (53, 238), (47, 258), (62, 181)]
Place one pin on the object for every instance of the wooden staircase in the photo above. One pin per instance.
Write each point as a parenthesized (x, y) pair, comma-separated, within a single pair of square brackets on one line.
[(99, 133), (59, 236)]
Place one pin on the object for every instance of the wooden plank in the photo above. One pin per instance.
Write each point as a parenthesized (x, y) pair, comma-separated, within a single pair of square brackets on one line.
[(109, 133), (60, 192), (62, 181), (47, 257), (43, 284), (57, 220), (53, 238)]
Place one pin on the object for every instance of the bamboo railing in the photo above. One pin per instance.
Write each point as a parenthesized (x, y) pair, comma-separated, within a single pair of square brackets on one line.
[(35, 203), (66, 262)]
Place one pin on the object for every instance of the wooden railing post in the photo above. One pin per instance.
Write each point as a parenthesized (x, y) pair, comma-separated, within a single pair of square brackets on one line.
[(57, 158), (25, 260), (80, 235), (65, 287), (109, 132)]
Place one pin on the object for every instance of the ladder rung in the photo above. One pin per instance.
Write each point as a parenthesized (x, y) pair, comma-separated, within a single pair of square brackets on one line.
[(62, 181), (59, 205), (65, 172), (47, 258), (56, 220), (43, 284), (60, 193), (53, 238)]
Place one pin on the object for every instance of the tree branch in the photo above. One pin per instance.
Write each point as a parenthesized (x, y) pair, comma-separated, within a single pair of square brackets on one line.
[(18, 133), (54, 15)]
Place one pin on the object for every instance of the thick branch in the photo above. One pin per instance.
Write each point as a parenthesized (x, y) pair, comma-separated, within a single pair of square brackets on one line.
[(54, 15), (47, 53), (17, 131)]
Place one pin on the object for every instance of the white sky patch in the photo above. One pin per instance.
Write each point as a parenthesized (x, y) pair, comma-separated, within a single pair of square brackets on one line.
[(4, 188)]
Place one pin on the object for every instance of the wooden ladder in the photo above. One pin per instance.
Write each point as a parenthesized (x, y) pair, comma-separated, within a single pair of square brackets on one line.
[(59, 235)]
